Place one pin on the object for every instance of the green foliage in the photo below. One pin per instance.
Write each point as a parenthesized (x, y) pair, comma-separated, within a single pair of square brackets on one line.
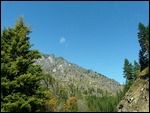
[(63, 94), (120, 94), (142, 60), (143, 38), (52, 103), (20, 78), (102, 104), (49, 81), (136, 69), (71, 104), (130, 73), (127, 70)]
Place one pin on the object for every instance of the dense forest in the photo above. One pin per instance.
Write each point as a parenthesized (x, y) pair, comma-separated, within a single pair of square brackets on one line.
[(22, 88)]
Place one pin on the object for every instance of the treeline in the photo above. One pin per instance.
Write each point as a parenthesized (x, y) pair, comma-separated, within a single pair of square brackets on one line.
[(105, 103)]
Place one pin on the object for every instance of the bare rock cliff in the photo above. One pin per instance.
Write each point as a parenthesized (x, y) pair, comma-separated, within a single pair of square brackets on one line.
[(137, 98)]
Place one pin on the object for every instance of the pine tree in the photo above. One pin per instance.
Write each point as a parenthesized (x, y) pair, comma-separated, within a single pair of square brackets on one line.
[(147, 41), (128, 74), (128, 70), (143, 60), (20, 77), (143, 38), (136, 69)]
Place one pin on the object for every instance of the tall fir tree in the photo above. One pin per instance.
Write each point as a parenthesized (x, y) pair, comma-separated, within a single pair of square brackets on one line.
[(136, 69), (143, 60), (147, 41), (128, 70), (143, 38), (128, 74), (20, 77)]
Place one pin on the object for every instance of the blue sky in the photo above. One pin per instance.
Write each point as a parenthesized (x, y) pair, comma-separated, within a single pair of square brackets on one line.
[(95, 35)]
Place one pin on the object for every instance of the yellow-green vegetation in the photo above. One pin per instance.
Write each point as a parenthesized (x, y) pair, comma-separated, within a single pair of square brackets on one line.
[(52, 104), (144, 72), (71, 104), (136, 98)]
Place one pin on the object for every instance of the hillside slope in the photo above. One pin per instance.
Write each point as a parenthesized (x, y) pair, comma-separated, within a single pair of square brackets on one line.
[(137, 97), (71, 74)]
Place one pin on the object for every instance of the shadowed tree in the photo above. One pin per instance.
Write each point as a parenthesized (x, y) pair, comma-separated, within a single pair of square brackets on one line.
[(143, 38)]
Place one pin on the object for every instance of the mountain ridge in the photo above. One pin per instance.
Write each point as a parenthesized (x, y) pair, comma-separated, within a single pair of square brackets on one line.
[(79, 66), (83, 79)]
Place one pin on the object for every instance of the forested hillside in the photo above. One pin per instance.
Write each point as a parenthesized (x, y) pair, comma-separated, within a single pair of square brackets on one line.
[(90, 89)]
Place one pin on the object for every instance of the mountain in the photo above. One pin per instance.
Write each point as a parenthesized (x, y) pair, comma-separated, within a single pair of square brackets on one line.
[(71, 74), (137, 97)]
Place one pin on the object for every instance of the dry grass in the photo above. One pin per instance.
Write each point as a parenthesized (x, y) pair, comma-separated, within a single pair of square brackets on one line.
[(144, 72)]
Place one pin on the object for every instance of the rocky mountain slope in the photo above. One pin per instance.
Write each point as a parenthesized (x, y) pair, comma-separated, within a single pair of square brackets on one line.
[(71, 74), (137, 97)]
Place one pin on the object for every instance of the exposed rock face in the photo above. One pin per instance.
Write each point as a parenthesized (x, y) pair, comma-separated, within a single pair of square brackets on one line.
[(68, 73), (137, 98)]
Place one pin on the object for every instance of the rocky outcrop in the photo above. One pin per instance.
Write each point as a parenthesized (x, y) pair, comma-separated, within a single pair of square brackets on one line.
[(137, 97)]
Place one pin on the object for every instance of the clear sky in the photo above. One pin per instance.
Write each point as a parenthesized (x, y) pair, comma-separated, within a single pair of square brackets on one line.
[(95, 35)]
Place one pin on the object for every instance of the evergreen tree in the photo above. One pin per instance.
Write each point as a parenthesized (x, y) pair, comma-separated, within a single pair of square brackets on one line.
[(143, 38), (20, 77), (128, 74), (147, 41), (143, 60), (128, 70), (136, 69)]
